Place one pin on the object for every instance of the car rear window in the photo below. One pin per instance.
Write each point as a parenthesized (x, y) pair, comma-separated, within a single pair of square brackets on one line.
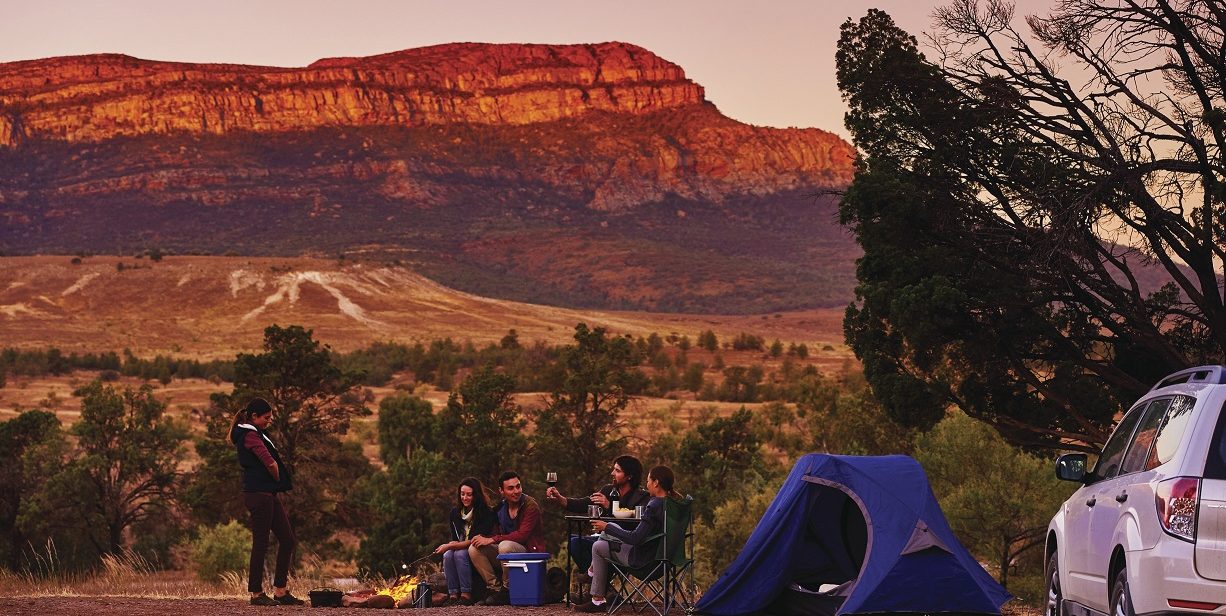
[(1170, 432)]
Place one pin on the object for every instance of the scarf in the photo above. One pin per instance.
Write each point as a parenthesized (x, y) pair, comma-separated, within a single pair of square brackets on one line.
[(261, 433), (468, 522), (505, 522)]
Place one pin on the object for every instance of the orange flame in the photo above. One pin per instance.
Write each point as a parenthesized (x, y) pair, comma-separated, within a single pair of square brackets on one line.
[(401, 588)]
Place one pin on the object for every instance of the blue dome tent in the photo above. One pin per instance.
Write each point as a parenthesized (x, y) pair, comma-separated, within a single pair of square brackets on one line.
[(865, 530)]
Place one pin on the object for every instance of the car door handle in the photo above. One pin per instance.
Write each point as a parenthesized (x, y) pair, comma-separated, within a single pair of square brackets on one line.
[(1121, 497), (1090, 502)]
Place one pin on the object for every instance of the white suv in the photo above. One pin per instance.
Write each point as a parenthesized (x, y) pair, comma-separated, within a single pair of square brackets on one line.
[(1146, 532)]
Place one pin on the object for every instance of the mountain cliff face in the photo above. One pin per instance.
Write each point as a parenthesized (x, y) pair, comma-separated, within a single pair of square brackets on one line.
[(93, 98), (469, 161)]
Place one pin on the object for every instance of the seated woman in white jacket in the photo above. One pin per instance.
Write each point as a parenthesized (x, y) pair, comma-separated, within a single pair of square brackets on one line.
[(636, 549)]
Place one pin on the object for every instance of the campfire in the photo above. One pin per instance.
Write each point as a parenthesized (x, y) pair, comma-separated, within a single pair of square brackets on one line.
[(400, 589)]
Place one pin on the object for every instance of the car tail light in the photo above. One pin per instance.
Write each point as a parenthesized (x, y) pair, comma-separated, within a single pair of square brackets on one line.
[(1193, 605), (1176, 500)]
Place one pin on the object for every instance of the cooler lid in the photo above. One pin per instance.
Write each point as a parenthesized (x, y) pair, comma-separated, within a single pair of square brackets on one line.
[(524, 556)]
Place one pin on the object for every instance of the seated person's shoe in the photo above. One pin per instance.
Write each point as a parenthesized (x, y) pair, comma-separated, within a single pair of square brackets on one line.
[(288, 599), (592, 608), (439, 599), (263, 599), (498, 597), (464, 599)]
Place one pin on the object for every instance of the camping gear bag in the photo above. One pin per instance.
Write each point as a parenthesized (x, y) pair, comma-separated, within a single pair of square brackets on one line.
[(325, 597)]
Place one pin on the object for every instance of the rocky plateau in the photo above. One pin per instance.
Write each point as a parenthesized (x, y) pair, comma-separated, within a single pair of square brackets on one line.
[(580, 175)]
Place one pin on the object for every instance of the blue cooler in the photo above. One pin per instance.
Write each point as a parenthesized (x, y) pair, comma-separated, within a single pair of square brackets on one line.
[(525, 576)]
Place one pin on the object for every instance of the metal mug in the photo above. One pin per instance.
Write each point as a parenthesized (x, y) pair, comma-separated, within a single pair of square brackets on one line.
[(638, 512), (593, 511)]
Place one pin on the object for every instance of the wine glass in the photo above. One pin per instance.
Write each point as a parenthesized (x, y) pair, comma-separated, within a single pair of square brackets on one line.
[(551, 479)]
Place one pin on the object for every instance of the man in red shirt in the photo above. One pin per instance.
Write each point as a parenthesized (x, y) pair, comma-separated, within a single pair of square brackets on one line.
[(519, 530)]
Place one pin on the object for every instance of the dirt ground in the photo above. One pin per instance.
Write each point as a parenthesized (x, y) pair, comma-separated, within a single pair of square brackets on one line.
[(90, 606)]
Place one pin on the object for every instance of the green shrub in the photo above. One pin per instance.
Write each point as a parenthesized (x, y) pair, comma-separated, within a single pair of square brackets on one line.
[(220, 549), (719, 544)]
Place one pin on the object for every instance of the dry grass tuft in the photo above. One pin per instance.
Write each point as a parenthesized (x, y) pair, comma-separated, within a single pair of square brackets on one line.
[(128, 574)]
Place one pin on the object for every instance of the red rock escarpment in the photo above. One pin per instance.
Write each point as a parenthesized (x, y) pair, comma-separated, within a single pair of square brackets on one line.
[(93, 98), (470, 161), (694, 151)]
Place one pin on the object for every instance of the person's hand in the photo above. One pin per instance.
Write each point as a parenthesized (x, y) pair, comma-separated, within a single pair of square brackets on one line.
[(482, 540), (598, 526), (554, 495), (599, 499), (442, 548)]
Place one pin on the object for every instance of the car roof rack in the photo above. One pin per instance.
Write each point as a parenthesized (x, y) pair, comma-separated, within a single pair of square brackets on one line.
[(1200, 374)]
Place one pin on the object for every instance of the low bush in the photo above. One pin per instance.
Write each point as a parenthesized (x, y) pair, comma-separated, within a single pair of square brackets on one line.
[(220, 549)]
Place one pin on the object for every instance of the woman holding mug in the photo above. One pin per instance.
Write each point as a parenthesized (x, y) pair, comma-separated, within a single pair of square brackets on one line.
[(265, 477), (470, 517)]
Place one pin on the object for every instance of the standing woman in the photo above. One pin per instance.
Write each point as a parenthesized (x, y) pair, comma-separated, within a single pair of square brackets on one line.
[(470, 517), (264, 478)]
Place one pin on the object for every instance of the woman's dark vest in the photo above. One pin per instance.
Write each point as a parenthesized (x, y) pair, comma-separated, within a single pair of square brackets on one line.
[(256, 477)]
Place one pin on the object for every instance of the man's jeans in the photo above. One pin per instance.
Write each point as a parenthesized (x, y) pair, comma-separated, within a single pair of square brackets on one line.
[(580, 550), (485, 558)]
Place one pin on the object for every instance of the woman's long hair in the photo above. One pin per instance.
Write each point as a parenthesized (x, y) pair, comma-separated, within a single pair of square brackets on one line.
[(664, 476), (255, 406), (480, 502)]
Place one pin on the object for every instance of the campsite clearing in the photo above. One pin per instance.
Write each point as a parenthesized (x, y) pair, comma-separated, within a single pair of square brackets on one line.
[(140, 606)]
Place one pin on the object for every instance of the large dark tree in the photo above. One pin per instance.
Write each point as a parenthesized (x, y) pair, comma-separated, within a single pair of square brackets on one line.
[(406, 425), (20, 439), (404, 511), (481, 430), (580, 432), (123, 472), (1040, 246)]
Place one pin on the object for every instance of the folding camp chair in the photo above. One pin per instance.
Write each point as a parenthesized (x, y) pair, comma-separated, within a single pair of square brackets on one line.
[(668, 580)]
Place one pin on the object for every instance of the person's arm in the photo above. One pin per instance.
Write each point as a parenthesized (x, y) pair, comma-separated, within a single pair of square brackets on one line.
[(480, 539), (255, 445), (578, 505), (452, 545), (453, 521), (529, 521), (605, 497), (484, 523), (650, 525)]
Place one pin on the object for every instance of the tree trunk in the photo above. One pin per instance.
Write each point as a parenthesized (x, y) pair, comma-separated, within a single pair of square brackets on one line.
[(1004, 565), (115, 537)]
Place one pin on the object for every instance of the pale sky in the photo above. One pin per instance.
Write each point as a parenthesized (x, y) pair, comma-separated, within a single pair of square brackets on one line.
[(766, 63)]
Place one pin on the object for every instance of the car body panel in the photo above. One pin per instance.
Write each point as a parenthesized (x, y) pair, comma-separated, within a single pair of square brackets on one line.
[(1104, 536), (1075, 564), (1210, 551)]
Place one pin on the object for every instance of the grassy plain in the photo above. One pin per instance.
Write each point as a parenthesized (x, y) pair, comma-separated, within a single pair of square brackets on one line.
[(214, 307)]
